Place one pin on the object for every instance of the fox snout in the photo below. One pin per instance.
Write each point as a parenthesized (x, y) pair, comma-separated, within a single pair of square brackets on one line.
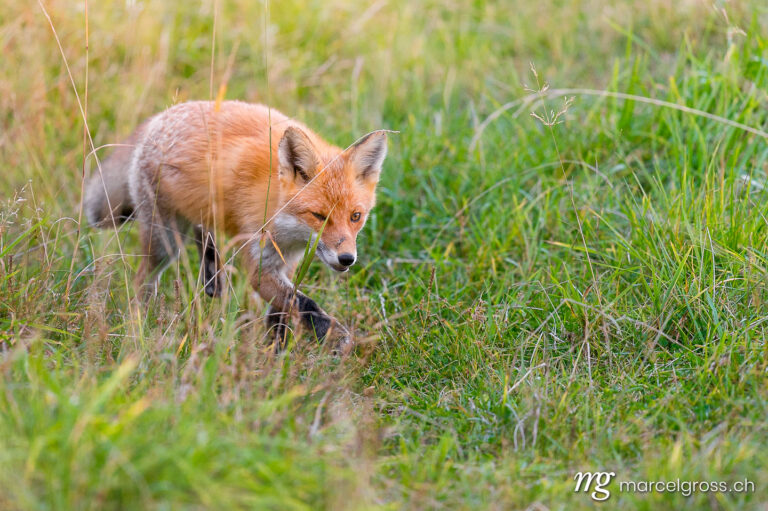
[(340, 259)]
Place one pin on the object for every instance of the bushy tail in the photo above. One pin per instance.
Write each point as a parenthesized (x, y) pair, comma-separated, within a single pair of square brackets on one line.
[(107, 199)]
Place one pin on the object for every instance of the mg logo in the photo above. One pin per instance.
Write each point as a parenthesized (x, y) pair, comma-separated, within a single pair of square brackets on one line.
[(585, 480)]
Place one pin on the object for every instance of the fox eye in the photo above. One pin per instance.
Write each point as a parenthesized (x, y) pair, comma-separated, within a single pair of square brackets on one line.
[(320, 217), (355, 216)]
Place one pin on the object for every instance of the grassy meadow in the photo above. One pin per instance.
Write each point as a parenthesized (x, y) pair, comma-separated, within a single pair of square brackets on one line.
[(567, 269)]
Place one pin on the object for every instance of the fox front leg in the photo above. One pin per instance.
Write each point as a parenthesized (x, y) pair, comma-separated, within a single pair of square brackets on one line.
[(311, 317), (279, 292), (277, 324), (316, 320)]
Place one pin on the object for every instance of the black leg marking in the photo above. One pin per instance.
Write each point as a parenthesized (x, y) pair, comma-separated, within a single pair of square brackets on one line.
[(124, 214), (312, 317), (209, 263), (277, 325)]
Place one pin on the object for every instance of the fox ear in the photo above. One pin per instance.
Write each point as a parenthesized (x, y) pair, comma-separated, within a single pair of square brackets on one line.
[(296, 156), (368, 155)]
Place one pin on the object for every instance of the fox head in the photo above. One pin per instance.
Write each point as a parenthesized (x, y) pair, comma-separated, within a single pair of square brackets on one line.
[(331, 191)]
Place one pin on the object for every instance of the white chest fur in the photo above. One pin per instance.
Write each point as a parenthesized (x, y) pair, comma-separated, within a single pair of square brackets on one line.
[(291, 235)]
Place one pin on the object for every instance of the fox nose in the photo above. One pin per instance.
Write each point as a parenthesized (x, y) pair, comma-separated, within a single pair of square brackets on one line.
[(346, 259)]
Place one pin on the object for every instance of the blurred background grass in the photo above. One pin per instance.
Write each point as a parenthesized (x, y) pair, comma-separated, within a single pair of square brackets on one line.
[(588, 295)]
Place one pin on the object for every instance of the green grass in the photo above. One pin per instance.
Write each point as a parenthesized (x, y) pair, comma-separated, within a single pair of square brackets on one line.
[(589, 295)]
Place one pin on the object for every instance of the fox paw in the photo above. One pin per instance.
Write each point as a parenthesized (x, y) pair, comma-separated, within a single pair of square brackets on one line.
[(339, 339)]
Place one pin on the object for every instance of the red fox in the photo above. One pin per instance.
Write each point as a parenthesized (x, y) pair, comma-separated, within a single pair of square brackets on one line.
[(242, 169)]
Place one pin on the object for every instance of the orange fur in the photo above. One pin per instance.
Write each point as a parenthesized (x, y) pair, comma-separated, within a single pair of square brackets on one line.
[(241, 169)]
